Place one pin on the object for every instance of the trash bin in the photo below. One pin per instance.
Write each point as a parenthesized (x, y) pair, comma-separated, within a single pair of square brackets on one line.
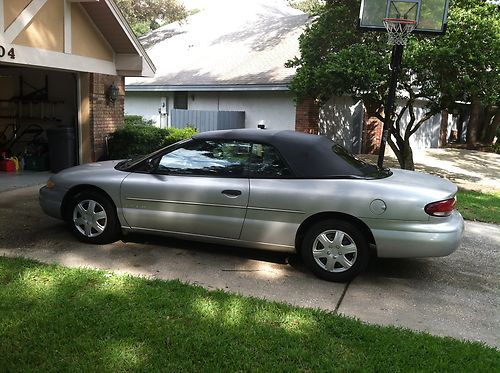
[(62, 148)]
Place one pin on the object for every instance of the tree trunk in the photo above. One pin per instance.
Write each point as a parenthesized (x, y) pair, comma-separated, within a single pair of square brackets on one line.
[(407, 157), (474, 126), (491, 124), (460, 125), (404, 154), (443, 132)]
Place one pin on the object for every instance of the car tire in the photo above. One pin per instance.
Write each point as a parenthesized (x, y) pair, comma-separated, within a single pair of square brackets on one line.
[(335, 250), (93, 218)]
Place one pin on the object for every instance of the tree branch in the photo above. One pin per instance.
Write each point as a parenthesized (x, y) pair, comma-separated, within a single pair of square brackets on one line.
[(422, 120)]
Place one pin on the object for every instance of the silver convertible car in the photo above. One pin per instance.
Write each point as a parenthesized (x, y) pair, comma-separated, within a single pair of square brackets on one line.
[(276, 190)]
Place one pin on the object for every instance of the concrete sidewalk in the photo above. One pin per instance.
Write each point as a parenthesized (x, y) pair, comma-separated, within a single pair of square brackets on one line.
[(457, 296)]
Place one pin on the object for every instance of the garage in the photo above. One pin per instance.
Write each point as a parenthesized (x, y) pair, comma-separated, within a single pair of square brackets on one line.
[(62, 69), (35, 107)]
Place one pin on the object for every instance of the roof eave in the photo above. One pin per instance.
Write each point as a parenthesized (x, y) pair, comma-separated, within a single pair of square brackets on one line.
[(207, 87), (148, 68)]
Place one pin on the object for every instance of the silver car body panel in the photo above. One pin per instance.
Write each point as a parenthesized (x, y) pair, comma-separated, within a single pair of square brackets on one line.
[(268, 212), (185, 204)]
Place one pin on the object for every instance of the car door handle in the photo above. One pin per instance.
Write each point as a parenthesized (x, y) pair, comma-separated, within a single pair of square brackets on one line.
[(231, 193)]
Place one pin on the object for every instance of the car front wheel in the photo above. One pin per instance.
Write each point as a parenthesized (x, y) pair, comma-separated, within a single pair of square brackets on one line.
[(93, 218), (335, 250)]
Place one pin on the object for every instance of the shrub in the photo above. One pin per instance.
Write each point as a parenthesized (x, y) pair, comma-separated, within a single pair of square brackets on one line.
[(136, 140), (137, 120)]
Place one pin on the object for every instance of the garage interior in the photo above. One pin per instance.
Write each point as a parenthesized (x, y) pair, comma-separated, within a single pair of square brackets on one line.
[(62, 69), (38, 122)]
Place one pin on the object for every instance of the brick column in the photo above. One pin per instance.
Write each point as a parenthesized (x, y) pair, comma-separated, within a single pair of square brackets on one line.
[(307, 116), (372, 130), (105, 116)]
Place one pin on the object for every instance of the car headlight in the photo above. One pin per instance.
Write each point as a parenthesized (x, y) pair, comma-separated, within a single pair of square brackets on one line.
[(50, 184)]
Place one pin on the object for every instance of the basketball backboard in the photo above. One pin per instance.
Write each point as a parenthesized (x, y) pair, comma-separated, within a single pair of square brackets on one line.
[(429, 15)]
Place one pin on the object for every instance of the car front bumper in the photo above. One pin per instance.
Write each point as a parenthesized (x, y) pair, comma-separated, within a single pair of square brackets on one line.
[(403, 239), (50, 201)]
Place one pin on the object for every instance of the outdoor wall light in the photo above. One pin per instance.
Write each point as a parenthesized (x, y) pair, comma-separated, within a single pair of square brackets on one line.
[(112, 93)]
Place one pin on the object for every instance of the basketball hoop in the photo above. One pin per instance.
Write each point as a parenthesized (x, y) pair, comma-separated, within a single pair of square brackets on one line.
[(399, 30)]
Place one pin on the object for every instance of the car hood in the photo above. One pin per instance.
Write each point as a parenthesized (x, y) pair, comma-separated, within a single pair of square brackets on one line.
[(90, 173), (89, 167)]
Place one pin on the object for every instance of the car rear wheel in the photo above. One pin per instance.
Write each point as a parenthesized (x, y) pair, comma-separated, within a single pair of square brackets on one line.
[(93, 218), (335, 250)]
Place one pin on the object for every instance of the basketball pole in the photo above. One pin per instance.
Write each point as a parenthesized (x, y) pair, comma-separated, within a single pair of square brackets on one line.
[(395, 68)]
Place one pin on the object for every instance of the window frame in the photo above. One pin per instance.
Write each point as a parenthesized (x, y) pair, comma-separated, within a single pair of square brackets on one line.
[(150, 164), (282, 159), (157, 159)]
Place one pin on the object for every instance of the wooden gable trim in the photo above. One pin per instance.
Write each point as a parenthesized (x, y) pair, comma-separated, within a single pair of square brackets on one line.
[(23, 20)]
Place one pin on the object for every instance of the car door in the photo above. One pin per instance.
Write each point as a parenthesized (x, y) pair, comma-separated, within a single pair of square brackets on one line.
[(199, 188), (276, 204)]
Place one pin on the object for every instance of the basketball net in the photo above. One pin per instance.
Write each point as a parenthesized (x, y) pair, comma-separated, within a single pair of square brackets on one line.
[(399, 30)]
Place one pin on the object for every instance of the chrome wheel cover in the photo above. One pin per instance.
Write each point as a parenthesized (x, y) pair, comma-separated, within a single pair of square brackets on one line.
[(89, 218), (334, 251)]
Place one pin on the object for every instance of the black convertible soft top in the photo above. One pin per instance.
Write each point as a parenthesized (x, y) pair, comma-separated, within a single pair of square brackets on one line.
[(310, 156)]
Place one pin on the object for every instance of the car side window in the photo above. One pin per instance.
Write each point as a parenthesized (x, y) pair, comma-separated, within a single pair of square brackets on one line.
[(266, 162), (207, 158)]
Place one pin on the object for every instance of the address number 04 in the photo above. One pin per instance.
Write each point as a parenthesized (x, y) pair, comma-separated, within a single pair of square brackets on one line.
[(10, 53)]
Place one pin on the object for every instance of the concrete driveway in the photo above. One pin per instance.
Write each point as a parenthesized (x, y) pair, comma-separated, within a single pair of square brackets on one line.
[(455, 296)]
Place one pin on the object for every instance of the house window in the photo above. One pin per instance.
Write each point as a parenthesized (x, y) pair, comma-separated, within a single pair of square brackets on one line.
[(181, 100)]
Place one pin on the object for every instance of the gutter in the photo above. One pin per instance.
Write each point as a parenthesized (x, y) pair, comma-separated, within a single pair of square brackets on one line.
[(206, 87)]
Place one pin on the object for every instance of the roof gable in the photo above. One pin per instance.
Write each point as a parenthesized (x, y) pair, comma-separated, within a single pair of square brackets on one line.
[(77, 35)]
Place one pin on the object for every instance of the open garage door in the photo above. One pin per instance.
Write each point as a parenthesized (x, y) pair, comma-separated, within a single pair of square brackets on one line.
[(38, 120)]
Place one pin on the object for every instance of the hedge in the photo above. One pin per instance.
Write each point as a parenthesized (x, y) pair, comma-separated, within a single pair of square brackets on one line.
[(136, 140)]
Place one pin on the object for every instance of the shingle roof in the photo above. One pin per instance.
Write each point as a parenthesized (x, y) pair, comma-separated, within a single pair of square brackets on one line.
[(232, 43)]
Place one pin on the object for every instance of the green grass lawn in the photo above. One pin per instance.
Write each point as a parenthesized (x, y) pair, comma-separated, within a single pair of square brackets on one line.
[(59, 319), (479, 206)]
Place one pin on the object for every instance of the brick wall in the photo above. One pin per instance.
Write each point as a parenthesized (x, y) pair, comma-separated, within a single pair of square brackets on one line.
[(105, 116), (372, 131), (307, 116)]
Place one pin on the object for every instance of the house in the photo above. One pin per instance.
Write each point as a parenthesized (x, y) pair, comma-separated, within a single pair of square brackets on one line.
[(62, 66), (227, 58)]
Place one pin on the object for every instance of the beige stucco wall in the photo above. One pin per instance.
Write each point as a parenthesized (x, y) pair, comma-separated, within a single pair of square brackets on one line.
[(86, 40), (86, 146), (46, 31), (12, 8)]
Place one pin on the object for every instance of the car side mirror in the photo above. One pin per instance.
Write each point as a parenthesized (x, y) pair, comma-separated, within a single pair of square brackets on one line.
[(150, 164)]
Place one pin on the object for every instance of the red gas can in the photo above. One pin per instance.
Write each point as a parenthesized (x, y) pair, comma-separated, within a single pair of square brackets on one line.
[(7, 165)]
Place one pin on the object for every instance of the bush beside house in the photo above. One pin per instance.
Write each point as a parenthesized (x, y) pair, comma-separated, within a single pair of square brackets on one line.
[(139, 137)]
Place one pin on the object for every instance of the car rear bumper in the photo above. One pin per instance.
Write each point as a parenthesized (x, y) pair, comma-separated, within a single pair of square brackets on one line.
[(50, 201), (436, 237)]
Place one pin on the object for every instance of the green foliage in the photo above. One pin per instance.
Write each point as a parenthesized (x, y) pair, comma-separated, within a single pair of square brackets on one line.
[(307, 6), (146, 15), (136, 140), (465, 61), (337, 59), (136, 120), (80, 320)]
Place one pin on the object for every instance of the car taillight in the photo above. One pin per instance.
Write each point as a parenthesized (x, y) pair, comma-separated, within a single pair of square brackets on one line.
[(441, 208)]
